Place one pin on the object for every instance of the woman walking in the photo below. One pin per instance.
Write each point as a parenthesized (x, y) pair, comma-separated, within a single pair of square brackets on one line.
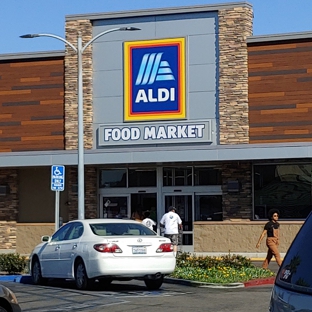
[(271, 229)]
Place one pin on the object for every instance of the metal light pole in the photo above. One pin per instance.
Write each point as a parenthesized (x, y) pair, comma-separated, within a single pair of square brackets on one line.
[(79, 51)]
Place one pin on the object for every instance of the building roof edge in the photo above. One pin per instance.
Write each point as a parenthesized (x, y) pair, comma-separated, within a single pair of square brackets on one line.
[(157, 11), (280, 37), (30, 55)]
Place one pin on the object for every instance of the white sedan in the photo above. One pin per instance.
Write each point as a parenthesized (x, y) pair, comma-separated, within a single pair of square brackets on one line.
[(103, 250)]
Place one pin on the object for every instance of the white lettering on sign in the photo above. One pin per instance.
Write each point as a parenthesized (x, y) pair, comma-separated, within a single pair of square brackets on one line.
[(173, 132), (124, 134), (162, 95), (164, 132)]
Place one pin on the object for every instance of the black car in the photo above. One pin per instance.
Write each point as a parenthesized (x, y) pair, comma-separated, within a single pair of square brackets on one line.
[(8, 301), (292, 290)]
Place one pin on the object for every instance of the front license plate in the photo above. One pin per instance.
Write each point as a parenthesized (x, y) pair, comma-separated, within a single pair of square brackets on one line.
[(139, 250)]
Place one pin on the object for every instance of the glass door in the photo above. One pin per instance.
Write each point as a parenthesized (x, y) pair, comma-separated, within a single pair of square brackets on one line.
[(114, 206), (184, 205), (142, 205)]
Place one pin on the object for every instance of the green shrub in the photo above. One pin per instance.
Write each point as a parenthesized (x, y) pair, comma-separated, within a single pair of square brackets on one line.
[(12, 263)]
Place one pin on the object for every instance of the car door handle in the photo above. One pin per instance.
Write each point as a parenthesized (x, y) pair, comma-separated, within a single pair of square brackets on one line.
[(74, 246), (57, 247)]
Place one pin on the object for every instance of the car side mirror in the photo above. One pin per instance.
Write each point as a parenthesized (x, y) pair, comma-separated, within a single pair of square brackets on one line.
[(45, 238)]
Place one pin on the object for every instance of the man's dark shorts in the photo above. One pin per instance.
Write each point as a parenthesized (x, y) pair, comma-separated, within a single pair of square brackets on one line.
[(174, 238)]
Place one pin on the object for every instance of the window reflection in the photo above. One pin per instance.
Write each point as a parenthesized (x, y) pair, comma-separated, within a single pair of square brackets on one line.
[(207, 176), (208, 208), (142, 177), (177, 176), (284, 187), (113, 178)]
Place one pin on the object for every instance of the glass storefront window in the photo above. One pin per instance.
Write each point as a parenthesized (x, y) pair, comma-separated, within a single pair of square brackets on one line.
[(208, 208), (286, 187), (114, 207), (113, 178), (142, 177), (177, 176), (207, 176)]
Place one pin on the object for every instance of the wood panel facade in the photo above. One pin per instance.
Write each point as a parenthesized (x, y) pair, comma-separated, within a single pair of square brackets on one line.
[(280, 91), (32, 104)]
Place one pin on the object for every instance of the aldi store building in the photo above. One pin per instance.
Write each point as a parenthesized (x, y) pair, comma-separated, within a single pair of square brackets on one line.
[(191, 111)]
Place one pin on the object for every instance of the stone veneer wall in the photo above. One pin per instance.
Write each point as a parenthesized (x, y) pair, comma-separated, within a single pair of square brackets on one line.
[(237, 205), (235, 25), (91, 201), (8, 209), (72, 28)]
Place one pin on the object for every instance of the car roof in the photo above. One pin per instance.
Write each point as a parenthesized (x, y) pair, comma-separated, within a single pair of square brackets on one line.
[(93, 221)]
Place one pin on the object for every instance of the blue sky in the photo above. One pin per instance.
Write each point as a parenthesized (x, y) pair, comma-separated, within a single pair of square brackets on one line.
[(18, 17)]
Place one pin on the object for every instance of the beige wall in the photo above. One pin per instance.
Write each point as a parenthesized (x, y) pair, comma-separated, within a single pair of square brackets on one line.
[(239, 236), (28, 235)]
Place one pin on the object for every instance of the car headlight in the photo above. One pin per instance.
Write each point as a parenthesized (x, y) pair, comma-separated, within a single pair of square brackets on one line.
[(12, 298)]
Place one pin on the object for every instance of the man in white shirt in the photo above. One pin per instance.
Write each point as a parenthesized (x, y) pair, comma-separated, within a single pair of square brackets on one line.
[(172, 222)]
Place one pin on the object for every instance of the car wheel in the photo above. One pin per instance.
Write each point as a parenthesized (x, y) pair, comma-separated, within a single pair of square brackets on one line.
[(2, 309), (154, 284), (81, 277), (36, 273)]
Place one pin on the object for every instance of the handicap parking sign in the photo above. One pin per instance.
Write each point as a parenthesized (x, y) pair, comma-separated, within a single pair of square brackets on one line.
[(57, 178)]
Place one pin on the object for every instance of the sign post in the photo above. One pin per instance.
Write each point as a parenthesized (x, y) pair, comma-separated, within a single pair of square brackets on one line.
[(57, 185)]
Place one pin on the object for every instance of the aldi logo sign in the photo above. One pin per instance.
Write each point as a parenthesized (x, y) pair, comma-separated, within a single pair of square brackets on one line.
[(154, 80)]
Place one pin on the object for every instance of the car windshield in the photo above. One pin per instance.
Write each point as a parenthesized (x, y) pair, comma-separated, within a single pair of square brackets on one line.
[(295, 272), (116, 229)]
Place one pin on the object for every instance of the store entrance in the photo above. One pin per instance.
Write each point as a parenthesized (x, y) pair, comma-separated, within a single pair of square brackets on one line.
[(142, 203), (184, 205)]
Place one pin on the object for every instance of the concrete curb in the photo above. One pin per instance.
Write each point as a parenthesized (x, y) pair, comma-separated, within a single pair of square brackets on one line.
[(252, 283), (24, 279), (260, 282), (171, 280)]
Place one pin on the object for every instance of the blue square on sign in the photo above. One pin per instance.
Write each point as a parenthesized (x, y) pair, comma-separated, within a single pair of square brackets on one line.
[(57, 178)]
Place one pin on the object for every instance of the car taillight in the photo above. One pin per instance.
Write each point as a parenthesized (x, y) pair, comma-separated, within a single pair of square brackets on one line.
[(111, 248), (167, 247)]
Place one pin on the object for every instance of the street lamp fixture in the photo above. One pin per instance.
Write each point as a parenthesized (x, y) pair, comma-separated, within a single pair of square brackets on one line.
[(79, 51)]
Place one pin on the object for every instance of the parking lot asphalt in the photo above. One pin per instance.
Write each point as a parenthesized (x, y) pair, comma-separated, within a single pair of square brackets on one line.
[(26, 279)]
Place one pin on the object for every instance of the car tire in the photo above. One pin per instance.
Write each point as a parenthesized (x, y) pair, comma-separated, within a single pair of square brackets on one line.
[(154, 284), (3, 309), (81, 277), (36, 273)]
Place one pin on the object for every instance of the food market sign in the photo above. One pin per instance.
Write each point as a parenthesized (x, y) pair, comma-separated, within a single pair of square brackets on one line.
[(154, 133)]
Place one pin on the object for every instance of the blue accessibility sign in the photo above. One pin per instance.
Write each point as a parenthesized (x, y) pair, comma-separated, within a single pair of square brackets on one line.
[(57, 178)]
